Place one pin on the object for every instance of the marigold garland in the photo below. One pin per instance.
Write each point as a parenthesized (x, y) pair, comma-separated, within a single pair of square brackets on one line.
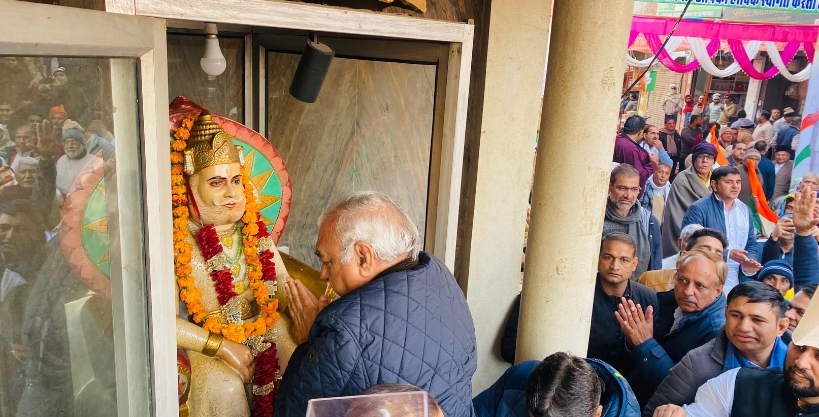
[(260, 267)]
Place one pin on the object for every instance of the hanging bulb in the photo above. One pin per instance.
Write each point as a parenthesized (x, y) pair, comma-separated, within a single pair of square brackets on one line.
[(213, 63)]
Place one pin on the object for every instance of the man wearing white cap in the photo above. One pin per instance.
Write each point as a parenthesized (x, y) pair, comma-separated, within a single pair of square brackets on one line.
[(767, 392), (714, 109)]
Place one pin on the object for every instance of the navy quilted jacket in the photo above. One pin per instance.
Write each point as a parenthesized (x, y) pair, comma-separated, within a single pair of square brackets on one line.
[(410, 326)]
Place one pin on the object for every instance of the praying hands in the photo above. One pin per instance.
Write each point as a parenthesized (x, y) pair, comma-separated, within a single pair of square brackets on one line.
[(636, 325)]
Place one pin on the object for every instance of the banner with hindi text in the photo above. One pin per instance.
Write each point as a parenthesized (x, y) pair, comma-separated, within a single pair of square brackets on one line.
[(802, 6)]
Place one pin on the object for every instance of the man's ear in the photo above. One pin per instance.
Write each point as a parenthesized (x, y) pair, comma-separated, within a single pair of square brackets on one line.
[(634, 261), (599, 411), (782, 325), (363, 256)]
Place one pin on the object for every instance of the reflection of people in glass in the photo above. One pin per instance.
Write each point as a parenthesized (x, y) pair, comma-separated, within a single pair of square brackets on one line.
[(67, 339), (22, 252)]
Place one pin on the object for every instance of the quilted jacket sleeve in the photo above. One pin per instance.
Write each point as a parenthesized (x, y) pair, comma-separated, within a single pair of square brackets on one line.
[(328, 368), (677, 388)]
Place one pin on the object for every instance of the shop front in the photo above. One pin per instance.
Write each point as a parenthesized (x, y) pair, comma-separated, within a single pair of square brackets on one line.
[(90, 294)]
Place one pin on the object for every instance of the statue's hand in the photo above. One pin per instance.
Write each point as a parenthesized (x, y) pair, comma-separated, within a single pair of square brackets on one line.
[(303, 307), (238, 357)]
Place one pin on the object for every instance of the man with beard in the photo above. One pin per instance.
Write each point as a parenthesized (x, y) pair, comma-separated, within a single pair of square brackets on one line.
[(769, 392), (625, 215), (764, 392), (752, 338), (687, 317), (689, 186), (75, 159)]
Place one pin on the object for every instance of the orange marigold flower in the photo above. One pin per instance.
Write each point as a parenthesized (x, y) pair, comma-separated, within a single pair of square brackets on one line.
[(177, 157), (198, 316), (180, 211), (187, 123), (212, 325), (179, 223), (178, 145), (182, 135), (177, 170)]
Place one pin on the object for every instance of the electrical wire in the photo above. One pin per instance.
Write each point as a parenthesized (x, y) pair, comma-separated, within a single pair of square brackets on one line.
[(662, 48)]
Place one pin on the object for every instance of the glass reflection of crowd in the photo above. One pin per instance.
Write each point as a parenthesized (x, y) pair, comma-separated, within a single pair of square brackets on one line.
[(56, 341)]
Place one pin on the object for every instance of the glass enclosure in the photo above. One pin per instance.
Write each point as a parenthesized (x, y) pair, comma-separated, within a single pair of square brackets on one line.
[(64, 125), (223, 94), (370, 129)]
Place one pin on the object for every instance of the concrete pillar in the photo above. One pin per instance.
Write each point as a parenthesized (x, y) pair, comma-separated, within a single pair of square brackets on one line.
[(500, 167), (754, 89), (583, 87)]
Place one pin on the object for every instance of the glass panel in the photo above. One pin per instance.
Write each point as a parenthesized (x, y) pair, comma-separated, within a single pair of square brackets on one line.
[(223, 94), (69, 325), (370, 129)]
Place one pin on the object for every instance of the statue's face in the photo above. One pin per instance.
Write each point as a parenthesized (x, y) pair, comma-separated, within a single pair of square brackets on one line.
[(219, 194)]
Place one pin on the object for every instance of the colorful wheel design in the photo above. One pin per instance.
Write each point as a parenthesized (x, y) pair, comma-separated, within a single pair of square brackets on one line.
[(267, 169), (84, 229)]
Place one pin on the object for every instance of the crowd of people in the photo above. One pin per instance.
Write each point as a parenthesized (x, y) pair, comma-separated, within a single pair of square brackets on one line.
[(697, 305), (698, 310), (51, 133)]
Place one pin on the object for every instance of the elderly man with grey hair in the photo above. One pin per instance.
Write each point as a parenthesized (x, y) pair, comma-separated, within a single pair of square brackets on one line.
[(685, 233), (401, 316)]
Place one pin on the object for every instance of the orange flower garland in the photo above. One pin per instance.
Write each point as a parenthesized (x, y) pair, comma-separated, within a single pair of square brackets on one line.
[(188, 292)]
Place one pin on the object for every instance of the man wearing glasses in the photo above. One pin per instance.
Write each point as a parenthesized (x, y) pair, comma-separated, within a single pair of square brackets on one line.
[(625, 215), (723, 211)]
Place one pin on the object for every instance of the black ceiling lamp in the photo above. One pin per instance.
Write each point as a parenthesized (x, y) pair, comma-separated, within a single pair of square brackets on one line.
[(313, 66)]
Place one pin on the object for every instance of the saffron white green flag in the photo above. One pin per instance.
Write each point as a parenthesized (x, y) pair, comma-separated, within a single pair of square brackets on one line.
[(807, 152)]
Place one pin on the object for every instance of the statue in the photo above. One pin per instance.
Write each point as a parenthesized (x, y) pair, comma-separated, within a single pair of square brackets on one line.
[(227, 272)]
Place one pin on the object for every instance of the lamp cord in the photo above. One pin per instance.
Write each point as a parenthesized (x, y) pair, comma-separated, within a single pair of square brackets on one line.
[(662, 48)]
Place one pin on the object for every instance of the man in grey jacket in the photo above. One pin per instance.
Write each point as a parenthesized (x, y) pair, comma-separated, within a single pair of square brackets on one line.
[(754, 323)]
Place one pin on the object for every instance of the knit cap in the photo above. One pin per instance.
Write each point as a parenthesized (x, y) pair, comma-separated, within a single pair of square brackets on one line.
[(778, 266)]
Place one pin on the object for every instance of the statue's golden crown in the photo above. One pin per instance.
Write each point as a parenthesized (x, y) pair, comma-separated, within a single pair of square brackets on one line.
[(210, 145)]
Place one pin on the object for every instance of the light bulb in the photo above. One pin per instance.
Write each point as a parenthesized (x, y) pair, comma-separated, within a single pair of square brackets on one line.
[(213, 63)]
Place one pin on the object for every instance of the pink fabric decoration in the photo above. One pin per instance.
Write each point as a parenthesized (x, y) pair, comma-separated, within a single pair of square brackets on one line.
[(748, 66), (655, 43), (720, 30)]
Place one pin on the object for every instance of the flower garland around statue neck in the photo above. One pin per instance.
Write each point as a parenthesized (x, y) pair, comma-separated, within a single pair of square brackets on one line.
[(257, 242)]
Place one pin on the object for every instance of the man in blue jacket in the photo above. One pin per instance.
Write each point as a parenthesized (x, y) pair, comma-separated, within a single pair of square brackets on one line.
[(400, 318), (560, 385), (688, 316), (722, 210)]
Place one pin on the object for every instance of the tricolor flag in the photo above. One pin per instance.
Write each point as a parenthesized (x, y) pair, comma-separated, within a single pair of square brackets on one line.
[(764, 218), (722, 154)]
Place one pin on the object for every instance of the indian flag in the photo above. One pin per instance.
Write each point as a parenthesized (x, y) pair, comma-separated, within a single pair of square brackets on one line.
[(764, 218), (807, 152)]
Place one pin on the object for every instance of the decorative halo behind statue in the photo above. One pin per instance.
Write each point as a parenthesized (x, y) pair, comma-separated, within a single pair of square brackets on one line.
[(267, 169), (84, 229)]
